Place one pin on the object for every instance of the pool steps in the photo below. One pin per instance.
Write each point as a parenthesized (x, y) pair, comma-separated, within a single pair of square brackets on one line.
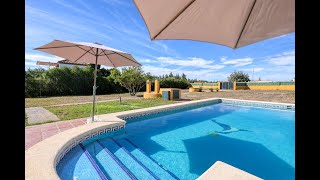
[(135, 168), (93, 163), (111, 167), (122, 159), (159, 169), (137, 160)]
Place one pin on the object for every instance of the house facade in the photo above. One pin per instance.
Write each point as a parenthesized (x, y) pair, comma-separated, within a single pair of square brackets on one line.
[(63, 63)]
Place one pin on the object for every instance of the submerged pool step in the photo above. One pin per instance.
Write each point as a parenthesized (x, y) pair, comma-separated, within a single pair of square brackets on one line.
[(108, 163), (93, 163), (148, 161), (133, 164), (137, 160), (83, 166)]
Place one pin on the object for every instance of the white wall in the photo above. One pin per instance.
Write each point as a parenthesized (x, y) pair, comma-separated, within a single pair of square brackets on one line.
[(70, 66)]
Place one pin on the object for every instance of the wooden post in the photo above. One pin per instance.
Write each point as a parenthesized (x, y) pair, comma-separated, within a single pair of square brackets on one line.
[(148, 86), (234, 85), (156, 86)]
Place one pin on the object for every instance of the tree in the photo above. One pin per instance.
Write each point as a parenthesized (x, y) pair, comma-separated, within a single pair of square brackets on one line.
[(104, 72), (238, 76), (36, 78), (149, 76), (184, 77), (170, 75), (131, 78)]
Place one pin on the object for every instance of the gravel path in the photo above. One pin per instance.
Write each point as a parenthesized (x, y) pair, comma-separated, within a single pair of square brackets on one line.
[(39, 114), (258, 95)]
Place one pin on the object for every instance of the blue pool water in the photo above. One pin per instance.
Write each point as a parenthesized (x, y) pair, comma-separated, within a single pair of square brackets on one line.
[(185, 144)]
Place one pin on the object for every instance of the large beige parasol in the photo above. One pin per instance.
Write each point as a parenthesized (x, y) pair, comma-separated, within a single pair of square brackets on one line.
[(91, 53), (233, 23)]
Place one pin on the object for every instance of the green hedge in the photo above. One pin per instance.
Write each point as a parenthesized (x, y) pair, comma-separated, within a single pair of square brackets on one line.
[(287, 83), (76, 81), (196, 84), (210, 84), (65, 81), (174, 83), (241, 84), (204, 84), (264, 83)]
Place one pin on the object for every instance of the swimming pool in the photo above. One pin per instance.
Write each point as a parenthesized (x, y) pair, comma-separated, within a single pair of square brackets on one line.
[(183, 144)]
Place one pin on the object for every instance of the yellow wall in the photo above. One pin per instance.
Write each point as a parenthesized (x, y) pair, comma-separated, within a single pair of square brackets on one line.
[(209, 87), (192, 89), (240, 87), (285, 87)]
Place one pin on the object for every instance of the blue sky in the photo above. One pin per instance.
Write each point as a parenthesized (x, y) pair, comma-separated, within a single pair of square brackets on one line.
[(118, 24)]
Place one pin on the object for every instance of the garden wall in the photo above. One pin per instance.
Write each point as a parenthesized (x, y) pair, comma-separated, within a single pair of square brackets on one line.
[(264, 86), (213, 86)]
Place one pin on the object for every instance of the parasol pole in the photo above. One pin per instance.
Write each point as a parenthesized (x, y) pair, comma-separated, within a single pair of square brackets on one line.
[(94, 88)]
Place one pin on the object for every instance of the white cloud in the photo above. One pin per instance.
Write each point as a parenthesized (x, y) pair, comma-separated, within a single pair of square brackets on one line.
[(278, 76), (251, 69), (74, 8), (33, 65), (44, 19), (237, 62), (147, 61), (286, 58), (92, 23), (190, 62), (163, 46), (223, 58), (147, 43), (39, 57), (276, 73), (83, 4), (207, 74), (30, 63)]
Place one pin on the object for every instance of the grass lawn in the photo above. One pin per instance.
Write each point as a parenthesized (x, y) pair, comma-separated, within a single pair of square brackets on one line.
[(49, 101), (83, 110)]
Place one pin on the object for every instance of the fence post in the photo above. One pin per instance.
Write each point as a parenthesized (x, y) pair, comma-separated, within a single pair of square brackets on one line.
[(234, 85)]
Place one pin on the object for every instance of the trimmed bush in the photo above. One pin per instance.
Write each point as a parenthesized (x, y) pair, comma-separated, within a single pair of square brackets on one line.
[(174, 83)]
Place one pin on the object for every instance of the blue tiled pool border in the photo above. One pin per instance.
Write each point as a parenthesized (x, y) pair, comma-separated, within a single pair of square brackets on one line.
[(166, 111), (260, 104), (130, 118)]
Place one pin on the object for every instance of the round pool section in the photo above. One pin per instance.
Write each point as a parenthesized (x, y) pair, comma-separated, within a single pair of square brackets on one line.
[(184, 144)]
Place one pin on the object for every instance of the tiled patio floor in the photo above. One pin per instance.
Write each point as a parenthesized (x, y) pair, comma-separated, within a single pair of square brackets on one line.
[(37, 133)]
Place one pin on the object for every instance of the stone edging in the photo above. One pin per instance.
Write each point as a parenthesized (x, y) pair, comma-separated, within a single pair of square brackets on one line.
[(225, 171)]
